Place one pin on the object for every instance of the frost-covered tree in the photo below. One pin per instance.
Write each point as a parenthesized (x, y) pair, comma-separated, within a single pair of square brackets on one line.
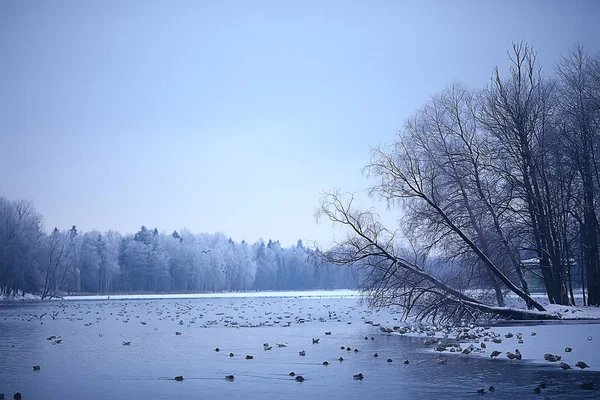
[(147, 261), (21, 241)]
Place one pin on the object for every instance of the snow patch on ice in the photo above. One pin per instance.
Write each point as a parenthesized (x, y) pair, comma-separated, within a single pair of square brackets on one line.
[(578, 330)]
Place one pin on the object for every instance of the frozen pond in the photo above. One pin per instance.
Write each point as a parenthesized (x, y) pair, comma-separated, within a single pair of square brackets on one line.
[(92, 362)]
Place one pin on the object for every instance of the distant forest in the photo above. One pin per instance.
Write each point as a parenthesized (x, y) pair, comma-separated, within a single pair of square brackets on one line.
[(51, 264)]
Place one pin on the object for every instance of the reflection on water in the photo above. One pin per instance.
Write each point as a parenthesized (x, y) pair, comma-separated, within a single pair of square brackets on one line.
[(92, 362)]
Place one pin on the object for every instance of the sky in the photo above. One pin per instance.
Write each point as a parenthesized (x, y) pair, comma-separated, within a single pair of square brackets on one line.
[(235, 116)]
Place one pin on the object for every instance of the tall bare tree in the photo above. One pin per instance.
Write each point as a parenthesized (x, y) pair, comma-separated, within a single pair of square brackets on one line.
[(517, 112), (579, 108)]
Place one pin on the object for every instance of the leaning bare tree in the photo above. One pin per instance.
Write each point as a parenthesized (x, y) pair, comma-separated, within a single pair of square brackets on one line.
[(393, 280), (458, 159)]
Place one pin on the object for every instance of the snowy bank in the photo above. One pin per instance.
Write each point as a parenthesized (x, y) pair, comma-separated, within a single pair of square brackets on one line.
[(574, 338), (20, 297), (573, 342), (309, 294)]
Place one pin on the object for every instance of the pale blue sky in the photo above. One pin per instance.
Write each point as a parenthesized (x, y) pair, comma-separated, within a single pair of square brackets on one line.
[(234, 116)]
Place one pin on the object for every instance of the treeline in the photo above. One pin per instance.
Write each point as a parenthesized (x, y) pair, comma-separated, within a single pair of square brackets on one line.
[(503, 182), (70, 261)]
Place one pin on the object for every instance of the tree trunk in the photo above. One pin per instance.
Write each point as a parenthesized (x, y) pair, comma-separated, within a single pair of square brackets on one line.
[(528, 299)]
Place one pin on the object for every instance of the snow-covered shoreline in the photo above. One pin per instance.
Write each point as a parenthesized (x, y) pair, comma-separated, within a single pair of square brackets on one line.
[(572, 342), (277, 294), (20, 297), (574, 338), (308, 294)]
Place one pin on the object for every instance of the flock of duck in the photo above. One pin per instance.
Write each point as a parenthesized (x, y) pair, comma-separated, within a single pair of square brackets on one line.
[(451, 339), (301, 353), (251, 314)]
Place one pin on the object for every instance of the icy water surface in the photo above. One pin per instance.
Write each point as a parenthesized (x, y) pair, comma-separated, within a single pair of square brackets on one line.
[(92, 362)]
